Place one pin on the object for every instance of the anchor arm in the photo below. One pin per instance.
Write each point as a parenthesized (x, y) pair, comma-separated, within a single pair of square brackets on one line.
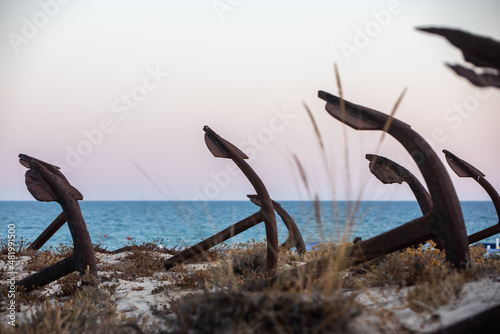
[(294, 236), (388, 171), (463, 169)]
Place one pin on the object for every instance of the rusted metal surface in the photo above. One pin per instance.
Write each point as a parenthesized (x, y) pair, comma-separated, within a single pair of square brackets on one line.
[(393, 240), (388, 172), (214, 240), (46, 183), (477, 79), (294, 236), (444, 221), (221, 148), (483, 52), (42, 192), (464, 169), (38, 187), (49, 232)]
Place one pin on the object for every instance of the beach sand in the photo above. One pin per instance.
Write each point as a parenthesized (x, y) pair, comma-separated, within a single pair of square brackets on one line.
[(149, 298)]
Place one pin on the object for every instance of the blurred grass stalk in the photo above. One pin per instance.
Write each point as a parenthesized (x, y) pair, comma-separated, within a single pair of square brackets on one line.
[(325, 225)]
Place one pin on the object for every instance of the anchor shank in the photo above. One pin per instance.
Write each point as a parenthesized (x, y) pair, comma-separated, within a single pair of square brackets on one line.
[(49, 232), (214, 240)]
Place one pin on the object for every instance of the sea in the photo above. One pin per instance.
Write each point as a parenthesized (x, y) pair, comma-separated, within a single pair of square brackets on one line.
[(114, 224)]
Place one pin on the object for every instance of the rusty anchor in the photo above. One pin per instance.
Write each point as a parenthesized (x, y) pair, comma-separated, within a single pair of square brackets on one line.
[(221, 148), (482, 52), (46, 183), (388, 172), (294, 236), (48, 232), (444, 220), (464, 169)]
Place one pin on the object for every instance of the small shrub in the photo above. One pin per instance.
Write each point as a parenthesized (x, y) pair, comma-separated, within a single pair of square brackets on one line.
[(267, 312), (89, 311), (401, 269), (160, 288), (438, 288), (68, 285), (188, 279)]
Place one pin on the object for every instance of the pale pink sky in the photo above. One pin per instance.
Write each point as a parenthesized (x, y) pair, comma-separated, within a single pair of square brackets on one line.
[(117, 93)]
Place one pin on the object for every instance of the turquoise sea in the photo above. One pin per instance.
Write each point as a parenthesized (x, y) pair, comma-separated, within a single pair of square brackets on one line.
[(111, 223)]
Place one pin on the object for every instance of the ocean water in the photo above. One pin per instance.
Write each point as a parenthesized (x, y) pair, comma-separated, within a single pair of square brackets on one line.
[(111, 224)]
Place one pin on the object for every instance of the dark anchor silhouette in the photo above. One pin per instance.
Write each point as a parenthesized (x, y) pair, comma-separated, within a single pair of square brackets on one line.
[(46, 183), (464, 169), (482, 52), (223, 149), (48, 232), (444, 220), (388, 172), (294, 236)]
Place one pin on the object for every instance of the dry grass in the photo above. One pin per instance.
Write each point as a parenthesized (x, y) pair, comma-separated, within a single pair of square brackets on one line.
[(437, 288), (265, 312), (90, 310), (138, 262), (185, 278), (246, 262), (219, 302), (48, 257), (415, 265)]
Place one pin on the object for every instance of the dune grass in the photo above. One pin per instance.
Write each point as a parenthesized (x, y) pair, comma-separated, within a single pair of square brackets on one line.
[(219, 302)]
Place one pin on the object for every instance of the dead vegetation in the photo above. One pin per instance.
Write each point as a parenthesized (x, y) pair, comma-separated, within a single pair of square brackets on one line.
[(90, 310), (265, 312), (218, 301)]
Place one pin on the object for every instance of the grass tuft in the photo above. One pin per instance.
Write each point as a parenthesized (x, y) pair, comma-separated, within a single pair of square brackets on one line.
[(265, 312)]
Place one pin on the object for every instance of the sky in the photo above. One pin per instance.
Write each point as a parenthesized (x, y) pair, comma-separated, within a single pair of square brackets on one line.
[(116, 93)]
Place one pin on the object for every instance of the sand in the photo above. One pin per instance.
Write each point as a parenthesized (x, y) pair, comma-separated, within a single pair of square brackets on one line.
[(135, 298)]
